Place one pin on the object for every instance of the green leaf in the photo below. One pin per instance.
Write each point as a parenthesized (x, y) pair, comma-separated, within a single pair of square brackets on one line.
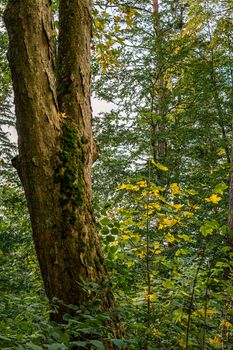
[(208, 227), (4, 338), (220, 188), (79, 343), (117, 224), (34, 347), (98, 344), (119, 343), (181, 252), (113, 249), (114, 231), (105, 222), (104, 230), (110, 238), (205, 230)]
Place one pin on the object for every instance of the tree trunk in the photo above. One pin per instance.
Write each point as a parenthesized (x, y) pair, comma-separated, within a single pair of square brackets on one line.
[(158, 141), (229, 239), (55, 143)]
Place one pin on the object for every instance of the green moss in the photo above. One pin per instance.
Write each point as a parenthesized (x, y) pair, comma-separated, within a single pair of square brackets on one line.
[(70, 170)]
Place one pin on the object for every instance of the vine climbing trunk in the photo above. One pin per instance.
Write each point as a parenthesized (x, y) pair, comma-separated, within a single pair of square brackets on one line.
[(56, 147)]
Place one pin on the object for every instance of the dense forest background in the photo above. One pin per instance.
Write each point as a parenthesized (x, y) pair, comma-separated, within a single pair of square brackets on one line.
[(160, 185)]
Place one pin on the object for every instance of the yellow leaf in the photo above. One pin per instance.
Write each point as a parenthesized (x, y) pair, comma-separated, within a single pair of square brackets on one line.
[(177, 315), (117, 19), (175, 188), (178, 49), (182, 343), (136, 236), (215, 341), (185, 237), (157, 333), (177, 206), (157, 206), (169, 238), (122, 187), (159, 166), (226, 324), (214, 198), (114, 244), (98, 24), (142, 183), (156, 245), (128, 187), (144, 194), (125, 237), (187, 213), (165, 222), (168, 284), (192, 192), (141, 254), (152, 297), (211, 312), (184, 293)]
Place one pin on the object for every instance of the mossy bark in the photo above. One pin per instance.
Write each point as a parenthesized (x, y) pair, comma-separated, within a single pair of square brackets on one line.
[(56, 144)]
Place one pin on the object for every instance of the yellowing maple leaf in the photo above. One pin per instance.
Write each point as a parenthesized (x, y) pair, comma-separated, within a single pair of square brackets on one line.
[(169, 238), (214, 198), (175, 188), (165, 222)]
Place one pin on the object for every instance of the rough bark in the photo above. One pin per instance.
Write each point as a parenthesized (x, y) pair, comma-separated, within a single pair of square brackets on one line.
[(55, 143)]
